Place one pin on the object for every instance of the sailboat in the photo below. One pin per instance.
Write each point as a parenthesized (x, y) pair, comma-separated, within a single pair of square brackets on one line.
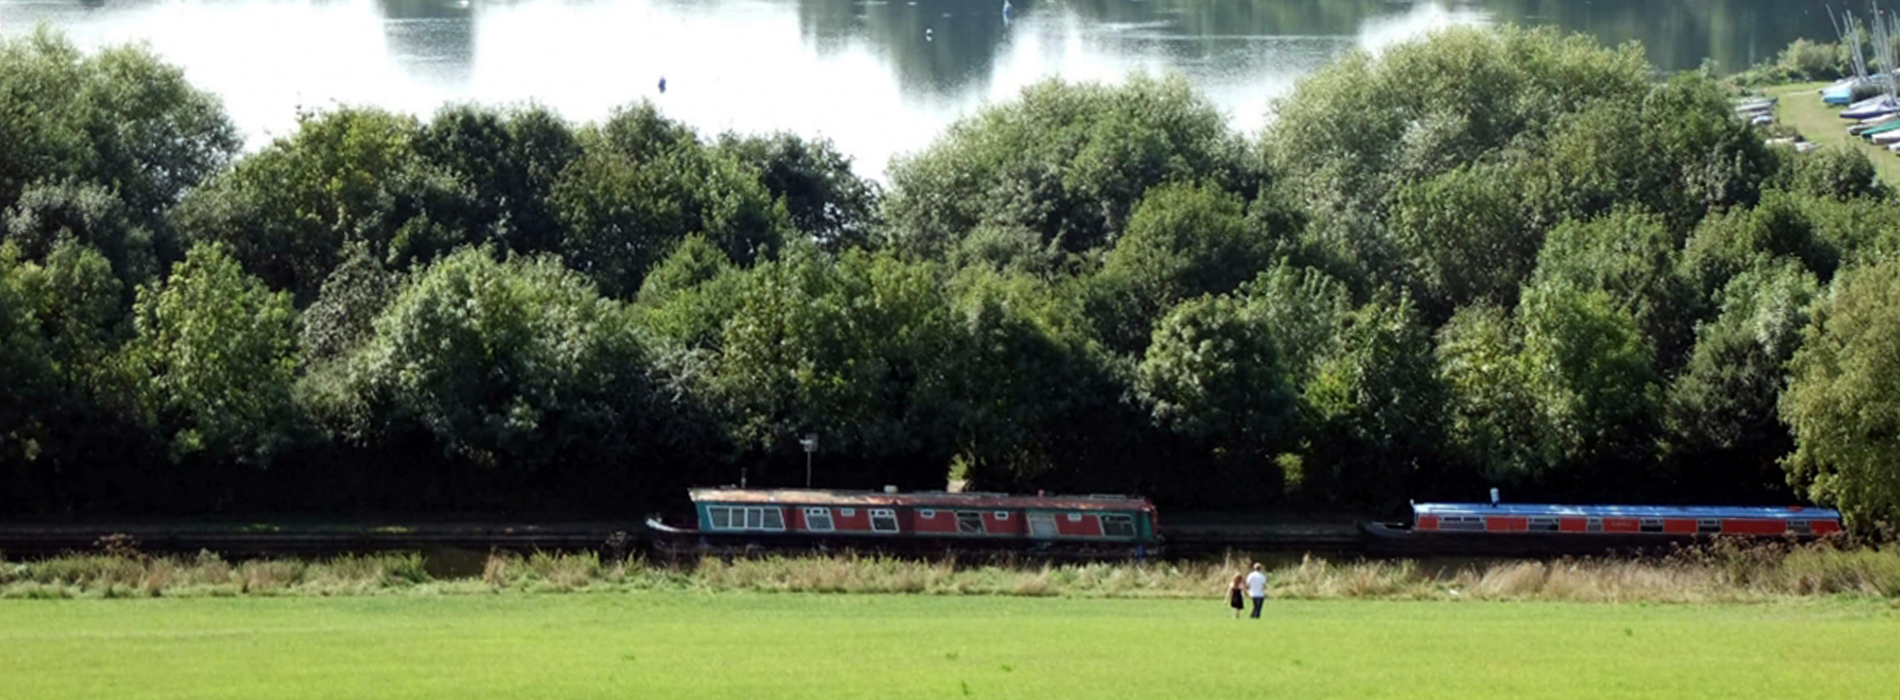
[(1844, 91), (1879, 106)]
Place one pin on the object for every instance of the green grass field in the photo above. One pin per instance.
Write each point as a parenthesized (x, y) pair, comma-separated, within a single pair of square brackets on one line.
[(697, 645), (1800, 107)]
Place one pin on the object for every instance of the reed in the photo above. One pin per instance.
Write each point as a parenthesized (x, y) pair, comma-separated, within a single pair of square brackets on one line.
[(1720, 573)]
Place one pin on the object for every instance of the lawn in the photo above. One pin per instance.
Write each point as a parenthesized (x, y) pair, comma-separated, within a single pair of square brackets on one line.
[(748, 645), (1800, 107)]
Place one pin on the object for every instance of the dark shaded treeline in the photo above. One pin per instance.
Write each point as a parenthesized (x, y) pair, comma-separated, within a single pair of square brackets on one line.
[(1484, 258)]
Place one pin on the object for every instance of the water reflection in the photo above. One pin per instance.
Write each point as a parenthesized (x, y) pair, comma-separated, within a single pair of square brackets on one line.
[(1679, 35), (432, 39), (878, 76)]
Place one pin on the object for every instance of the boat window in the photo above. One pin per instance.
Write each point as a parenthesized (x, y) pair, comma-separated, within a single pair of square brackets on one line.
[(926, 513), (1594, 525), (1042, 525), (1002, 515), (847, 512), (744, 518), (818, 519), (883, 520), (1075, 517), (969, 522), (1651, 525), (1461, 522), (1801, 527), (1542, 524), (1118, 526), (1708, 526)]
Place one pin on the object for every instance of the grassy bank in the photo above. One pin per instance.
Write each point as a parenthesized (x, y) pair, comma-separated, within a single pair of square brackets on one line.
[(1800, 108), (1718, 574), (741, 645)]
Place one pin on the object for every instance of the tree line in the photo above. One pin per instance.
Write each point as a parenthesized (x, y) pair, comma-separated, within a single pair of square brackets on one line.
[(1489, 257)]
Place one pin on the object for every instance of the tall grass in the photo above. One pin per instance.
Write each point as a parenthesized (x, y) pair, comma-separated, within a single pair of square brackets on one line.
[(1720, 573), (122, 574)]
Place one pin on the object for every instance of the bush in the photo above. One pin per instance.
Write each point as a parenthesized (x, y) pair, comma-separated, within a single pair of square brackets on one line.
[(1811, 60)]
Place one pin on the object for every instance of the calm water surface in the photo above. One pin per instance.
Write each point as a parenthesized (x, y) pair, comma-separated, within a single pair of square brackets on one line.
[(878, 77)]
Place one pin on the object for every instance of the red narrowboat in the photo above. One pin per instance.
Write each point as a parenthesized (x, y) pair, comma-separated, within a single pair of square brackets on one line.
[(1536, 528), (737, 518)]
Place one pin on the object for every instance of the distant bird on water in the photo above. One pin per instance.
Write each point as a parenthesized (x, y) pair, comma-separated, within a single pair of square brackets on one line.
[(662, 85)]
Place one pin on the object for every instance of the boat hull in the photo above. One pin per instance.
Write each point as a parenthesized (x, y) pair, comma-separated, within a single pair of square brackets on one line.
[(1389, 540), (682, 542)]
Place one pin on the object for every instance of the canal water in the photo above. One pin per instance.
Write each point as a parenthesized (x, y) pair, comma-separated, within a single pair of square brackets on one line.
[(878, 77)]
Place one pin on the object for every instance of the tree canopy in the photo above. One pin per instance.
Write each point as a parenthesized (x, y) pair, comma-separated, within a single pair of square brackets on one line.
[(1487, 256)]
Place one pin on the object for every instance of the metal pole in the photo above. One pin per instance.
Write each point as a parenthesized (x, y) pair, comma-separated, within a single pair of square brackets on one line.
[(807, 468)]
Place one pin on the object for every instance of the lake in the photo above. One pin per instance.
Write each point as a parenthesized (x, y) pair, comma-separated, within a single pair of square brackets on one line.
[(878, 77)]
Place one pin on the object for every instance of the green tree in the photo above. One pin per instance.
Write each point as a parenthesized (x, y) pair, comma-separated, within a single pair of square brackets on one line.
[(1729, 243), (1718, 160), (683, 308), (1356, 132), (851, 348), (68, 432), (1678, 151), (217, 351), (89, 214), (1462, 239), (1068, 162), (642, 184), (1013, 249), (1303, 310), (1022, 372), (1858, 230), (1593, 373), (1182, 242), (1632, 258), (1724, 431), (350, 177), (505, 163), (825, 199), (26, 376), (1843, 398), (1494, 424), (71, 302), (1377, 407), (518, 366), (1838, 172), (120, 119), (343, 315), (1215, 374)]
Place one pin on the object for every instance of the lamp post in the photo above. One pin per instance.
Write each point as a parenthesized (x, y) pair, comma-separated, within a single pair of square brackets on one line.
[(810, 443)]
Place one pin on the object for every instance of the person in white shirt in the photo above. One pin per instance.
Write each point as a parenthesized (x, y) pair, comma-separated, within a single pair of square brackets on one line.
[(1257, 588)]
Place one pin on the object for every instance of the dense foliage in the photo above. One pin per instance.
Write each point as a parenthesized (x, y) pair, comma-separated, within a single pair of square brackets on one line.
[(1484, 258)]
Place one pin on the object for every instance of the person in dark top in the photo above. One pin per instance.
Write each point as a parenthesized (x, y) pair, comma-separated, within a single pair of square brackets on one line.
[(1235, 598)]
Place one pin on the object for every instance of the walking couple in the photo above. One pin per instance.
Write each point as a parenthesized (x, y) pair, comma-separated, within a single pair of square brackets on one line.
[(1254, 585)]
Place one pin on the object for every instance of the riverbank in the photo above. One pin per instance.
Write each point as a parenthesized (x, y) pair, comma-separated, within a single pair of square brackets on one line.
[(685, 645), (1715, 574), (1800, 108)]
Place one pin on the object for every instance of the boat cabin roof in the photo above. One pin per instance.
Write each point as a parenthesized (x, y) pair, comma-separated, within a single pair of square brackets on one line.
[(919, 499), (1548, 509)]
